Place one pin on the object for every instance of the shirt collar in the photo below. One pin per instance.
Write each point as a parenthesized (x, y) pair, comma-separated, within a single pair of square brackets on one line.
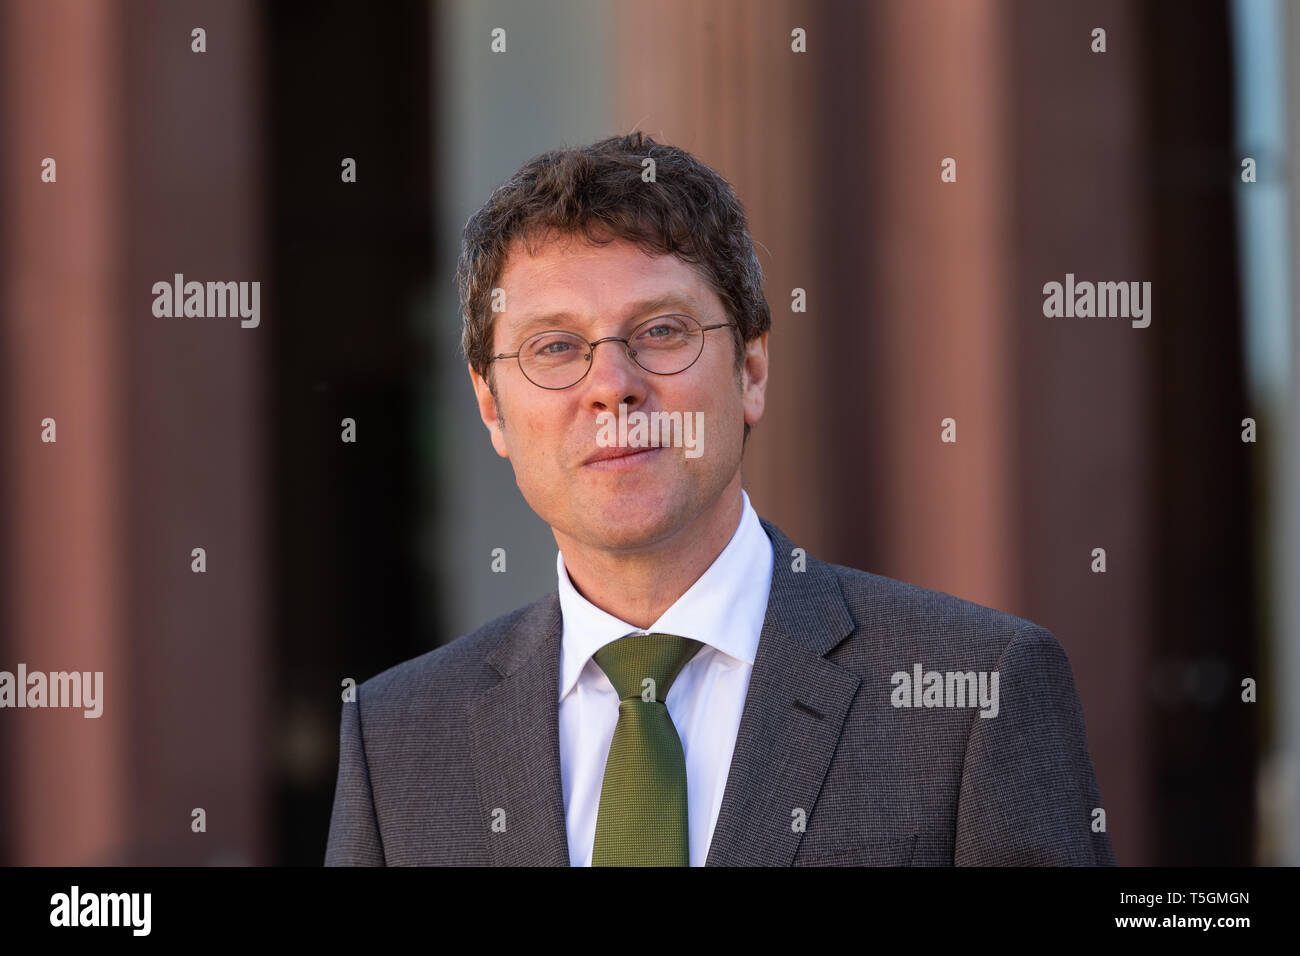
[(724, 608)]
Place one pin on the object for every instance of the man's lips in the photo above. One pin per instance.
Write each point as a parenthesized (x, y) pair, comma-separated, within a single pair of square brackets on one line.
[(613, 454)]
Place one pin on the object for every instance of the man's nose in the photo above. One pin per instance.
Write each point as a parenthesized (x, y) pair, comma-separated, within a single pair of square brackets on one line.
[(614, 375)]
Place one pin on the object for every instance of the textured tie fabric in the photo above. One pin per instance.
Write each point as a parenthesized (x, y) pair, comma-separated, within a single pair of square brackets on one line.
[(642, 819)]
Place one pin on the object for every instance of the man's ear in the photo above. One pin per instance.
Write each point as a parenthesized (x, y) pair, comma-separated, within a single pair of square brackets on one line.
[(487, 410), (754, 379)]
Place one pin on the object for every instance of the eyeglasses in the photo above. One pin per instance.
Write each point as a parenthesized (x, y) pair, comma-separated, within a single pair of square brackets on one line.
[(664, 345)]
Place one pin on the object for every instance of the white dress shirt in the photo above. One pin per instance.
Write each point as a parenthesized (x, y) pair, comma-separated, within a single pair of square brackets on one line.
[(724, 610)]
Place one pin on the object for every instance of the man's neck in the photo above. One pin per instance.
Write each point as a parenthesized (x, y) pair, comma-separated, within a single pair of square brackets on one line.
[(639, 587)]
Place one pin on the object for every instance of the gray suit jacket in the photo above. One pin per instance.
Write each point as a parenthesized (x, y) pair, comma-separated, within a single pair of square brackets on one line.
[(453, 757)]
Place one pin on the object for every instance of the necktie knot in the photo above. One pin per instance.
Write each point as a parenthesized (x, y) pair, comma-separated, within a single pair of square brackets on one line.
[(644, 666)]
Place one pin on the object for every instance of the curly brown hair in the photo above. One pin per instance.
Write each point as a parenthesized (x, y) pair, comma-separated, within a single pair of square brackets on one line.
[(597, 191)]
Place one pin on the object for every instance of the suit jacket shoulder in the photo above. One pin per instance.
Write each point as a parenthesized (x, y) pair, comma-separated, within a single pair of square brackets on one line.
[(966, 728), (457, 669), (910, 621), (408, 787)]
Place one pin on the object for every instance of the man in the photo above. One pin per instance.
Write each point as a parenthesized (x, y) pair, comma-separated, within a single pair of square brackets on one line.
[(697, 689)]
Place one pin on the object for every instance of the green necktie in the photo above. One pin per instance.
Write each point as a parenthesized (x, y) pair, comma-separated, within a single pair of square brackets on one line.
[(642, 819)]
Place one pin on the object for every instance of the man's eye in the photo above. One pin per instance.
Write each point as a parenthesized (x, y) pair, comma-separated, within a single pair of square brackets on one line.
[(553, 348), (665, 333)]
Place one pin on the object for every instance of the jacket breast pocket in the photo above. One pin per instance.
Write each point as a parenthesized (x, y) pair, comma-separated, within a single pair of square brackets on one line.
[(896, 851)]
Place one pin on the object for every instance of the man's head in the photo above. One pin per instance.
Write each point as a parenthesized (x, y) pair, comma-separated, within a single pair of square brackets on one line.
[(575, 241)]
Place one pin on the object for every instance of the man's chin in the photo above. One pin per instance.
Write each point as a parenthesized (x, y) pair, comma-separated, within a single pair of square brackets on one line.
[(628, 532)]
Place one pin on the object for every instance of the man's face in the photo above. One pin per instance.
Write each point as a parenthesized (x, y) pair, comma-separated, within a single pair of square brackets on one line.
[(550, 436)]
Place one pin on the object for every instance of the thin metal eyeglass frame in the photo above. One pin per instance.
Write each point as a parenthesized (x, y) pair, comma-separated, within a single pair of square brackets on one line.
[(627, 347)]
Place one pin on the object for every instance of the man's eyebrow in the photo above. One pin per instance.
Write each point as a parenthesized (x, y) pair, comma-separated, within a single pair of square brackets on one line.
[(657, 305)]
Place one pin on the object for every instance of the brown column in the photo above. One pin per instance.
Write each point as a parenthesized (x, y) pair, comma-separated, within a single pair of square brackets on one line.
[(1085, 431), (63, 775), (159, 433)]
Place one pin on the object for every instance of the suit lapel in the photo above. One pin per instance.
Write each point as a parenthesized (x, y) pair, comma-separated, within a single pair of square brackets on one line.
[(792, 719), (514, 739)]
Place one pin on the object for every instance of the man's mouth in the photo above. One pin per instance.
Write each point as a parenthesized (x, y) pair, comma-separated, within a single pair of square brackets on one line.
[(615, 459)]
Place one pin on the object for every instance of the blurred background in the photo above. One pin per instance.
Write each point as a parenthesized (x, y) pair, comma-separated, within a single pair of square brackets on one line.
[(328, 560)]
